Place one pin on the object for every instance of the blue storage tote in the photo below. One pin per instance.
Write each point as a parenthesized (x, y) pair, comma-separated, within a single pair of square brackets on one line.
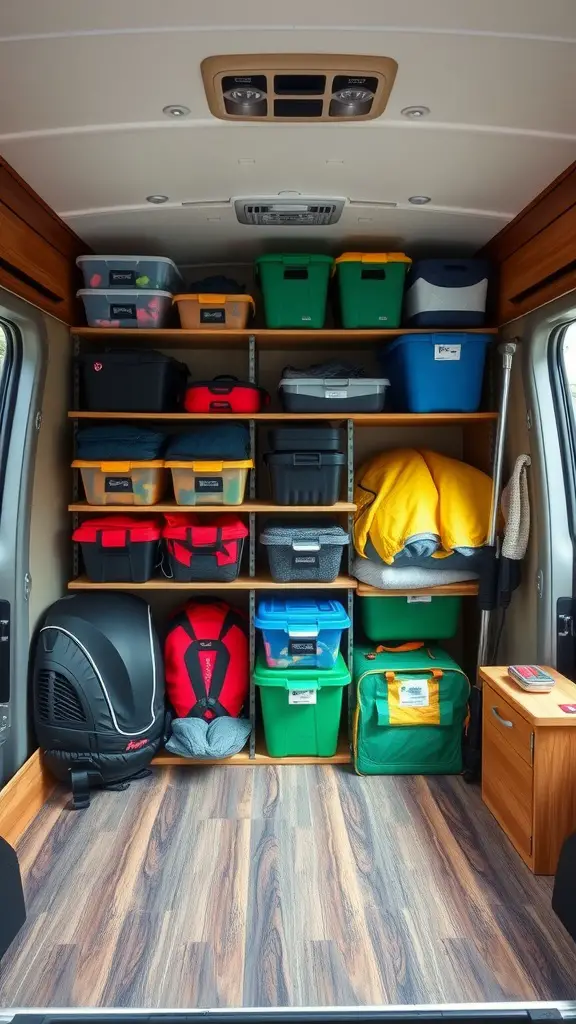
[(301, 632), (436, 372), (446, 293)]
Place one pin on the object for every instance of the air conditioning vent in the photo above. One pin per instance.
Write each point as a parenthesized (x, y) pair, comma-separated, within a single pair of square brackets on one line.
[(296, 212), (56, 699)]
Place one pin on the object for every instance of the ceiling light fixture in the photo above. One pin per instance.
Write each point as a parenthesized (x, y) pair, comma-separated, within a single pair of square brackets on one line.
[(414, 113), (175, 110), (157, 200), (419, 200), (351, 101), (245, 99)]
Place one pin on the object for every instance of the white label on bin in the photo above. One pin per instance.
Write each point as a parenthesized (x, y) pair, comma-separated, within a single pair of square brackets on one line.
[(336, 394), (301, 696), (445, 352), (123, 311), (208, 484), (418, 599), (414, 694)]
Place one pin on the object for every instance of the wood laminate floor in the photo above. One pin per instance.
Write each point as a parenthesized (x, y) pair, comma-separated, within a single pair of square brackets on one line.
[(281, 886)]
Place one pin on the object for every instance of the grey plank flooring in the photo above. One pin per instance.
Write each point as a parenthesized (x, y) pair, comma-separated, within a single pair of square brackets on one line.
[(281, 886)]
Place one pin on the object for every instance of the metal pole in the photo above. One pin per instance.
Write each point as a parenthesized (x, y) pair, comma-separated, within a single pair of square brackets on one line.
[(507, 351)]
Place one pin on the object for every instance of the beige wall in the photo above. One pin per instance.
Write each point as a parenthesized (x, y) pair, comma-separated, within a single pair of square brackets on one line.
[(50, 522), (518, 644)]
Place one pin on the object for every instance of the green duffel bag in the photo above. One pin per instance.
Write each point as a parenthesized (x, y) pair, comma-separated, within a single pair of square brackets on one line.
[(411, 709)]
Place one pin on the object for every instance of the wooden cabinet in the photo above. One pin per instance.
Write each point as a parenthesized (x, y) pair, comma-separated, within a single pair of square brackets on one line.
[(529, 765)]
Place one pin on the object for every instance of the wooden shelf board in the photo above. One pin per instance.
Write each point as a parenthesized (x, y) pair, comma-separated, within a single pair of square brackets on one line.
[(248, 506), (366, 419), (467, 589), (243, 583), (335, 337), (243, 759)]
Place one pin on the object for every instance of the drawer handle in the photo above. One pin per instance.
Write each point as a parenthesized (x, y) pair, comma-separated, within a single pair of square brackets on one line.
[(503, 721)]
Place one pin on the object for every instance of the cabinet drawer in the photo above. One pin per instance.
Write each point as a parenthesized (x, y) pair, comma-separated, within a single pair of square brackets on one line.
[(507, 786), (515, 730)]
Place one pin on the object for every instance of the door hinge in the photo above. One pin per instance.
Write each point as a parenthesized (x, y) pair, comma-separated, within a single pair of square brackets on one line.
[(532, 749), (565, 625), (27, 586)]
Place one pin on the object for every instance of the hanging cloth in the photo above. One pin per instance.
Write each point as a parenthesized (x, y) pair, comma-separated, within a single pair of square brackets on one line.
[(516, 511)]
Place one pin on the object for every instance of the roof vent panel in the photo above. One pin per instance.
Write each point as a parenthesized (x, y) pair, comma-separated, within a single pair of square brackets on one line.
[(303, 211)]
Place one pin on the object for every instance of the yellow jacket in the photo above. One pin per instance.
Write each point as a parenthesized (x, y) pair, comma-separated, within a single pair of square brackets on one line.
[(407, 493)]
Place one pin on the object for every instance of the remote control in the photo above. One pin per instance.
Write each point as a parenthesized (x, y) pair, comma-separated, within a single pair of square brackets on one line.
[(531, 677)]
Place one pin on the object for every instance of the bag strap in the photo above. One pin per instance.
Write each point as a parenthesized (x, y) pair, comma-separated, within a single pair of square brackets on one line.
[(435, 673), (80, 785)]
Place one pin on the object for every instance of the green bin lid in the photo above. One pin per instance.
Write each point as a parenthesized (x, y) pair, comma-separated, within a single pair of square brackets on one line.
[(301, 678), (294, 258)]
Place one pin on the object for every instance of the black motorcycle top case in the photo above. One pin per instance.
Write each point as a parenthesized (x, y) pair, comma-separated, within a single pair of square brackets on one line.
[(99, 687)]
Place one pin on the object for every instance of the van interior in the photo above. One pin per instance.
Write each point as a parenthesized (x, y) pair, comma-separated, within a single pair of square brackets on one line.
[(287, 486)]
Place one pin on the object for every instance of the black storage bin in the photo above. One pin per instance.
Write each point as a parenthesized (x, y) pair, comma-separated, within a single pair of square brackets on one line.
[(200, 549), (114, 442), (119, 549), (305, 478), (129, 380), (305, 438)]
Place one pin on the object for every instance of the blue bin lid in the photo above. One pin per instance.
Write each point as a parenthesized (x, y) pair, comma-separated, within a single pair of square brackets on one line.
[(300, 613)]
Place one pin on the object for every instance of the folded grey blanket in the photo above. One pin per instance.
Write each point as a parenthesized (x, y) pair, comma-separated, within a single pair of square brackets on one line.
[(193, 737), (330, 370)]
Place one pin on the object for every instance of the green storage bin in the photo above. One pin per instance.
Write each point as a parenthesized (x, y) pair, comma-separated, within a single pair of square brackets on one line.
[(414, 617), (301, 729), (410, 712), (295, 289), (371, 288)]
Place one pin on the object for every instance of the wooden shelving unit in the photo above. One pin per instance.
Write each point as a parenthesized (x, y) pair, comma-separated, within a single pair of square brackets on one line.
[(342, 756), (334, 337), (467, 589), (261, 582), (359, 419), (246, 507)]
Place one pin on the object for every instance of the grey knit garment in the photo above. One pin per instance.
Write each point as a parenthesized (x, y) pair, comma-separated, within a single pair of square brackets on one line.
[(516, 509), (193, 737)]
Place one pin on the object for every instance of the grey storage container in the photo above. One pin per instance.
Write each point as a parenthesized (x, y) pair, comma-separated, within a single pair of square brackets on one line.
[(308, 437), (133, 308), (156, 273), (338, 394), (305, 478), (309, 552)]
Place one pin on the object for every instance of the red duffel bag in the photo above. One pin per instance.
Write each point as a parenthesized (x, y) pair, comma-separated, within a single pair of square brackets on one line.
[(225, 394)]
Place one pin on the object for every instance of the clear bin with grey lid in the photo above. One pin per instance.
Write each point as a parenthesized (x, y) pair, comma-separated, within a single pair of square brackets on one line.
[(155, 273), (337, 394), (309, 552), (132, 308)]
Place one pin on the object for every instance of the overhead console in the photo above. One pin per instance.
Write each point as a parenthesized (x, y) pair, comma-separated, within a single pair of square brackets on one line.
[(298, 87)]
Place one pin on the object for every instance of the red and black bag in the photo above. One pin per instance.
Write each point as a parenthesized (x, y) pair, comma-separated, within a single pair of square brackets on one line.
[(206, 661), (225, 394), (119, 549), (198, 550)]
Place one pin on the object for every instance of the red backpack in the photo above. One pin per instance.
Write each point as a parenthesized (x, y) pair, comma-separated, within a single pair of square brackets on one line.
[(206, 661)]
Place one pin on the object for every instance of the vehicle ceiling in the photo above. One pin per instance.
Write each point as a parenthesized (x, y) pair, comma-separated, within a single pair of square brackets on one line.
[(83, 84)]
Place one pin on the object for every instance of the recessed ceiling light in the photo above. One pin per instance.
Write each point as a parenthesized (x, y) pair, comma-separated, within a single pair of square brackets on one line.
[(415, 112), (419, 200), (157, 199), (175, 110)]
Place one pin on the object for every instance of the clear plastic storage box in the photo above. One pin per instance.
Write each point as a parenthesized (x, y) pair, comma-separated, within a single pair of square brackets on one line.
[(155, 273)]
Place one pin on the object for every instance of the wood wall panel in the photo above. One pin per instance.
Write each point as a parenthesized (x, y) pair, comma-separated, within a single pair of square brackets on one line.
[(536, 253), (37, 250)]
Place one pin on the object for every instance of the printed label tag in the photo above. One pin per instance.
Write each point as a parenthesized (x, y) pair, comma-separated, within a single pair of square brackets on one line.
[(308, 561), (123, 311), (418, 599), (447, 352), (301, 645), (126, 278), (212, 316), (414, 694), (118, 484), (336, 394), (208, 484), (301, 696), (568, 709)]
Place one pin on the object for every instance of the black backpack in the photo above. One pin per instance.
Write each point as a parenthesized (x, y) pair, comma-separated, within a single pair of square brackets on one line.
[(98, 688)]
